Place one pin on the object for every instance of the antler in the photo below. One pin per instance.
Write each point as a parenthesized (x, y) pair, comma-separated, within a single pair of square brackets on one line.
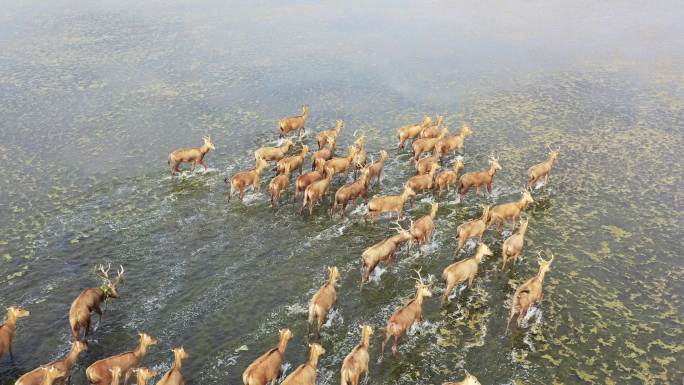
[(399, 228), (102, 272), (120, 274)]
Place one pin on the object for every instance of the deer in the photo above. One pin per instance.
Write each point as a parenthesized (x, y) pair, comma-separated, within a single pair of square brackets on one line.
[(422, 182), (36, 376), (8, 329), (294, 123), (316, 190), (500, 213), (449, 177), (375, 169), (295, 161), (402, 319), (411, 131), (279, 184), (45, 375), (267, 367), (351, 192), (305, 374), (244, 179), (529, 293), (324, 153), (273, 153), (384, 251), (192, 155), (322, 301), (324, 137), (174, 376), (341, 164), (389, 203), (472, 229), (468, 380), (513, 245), (356, 362), (142, 375), (359, 160), (305, 180), (478, 179), (427, 144), (542, 169), (91, 299), (423, 165), (422, 229), (464, 270), (98, 373), (433, 130), (455, 142)]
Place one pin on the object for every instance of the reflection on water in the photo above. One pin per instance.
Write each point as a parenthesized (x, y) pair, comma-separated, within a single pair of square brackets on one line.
[(94, 95)]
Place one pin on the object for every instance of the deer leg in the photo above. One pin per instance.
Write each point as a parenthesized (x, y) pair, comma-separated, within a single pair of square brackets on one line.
[(477, 190), (489, 188), (192, 166), (395, 346), (127, 377), (521, 315), (321, 320), (447, 291), (97, 310), (513, 223), (87, 328), (242, 193), (384, 343), (470, 281), (546, 179), (499, 226)]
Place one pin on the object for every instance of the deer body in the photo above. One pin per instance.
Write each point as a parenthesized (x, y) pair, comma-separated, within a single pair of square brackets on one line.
[(464, 270), (341, 165), (542, 169), (295, 162), (305, 180), (356, 362), (99, 372), (273, 153), (324, 153), (36, 376), (90, 300), (499, 214), (471, 229), (305, 374), (294, 123), (402, 320), (389, 203), (422, 182), (513, 245), (383, 251), (424, 165), (449, 177), (351, 192), (267, 367), (278, 185), (191, 155), (375, 169), (47, 375), (244, 179), (423, 228), (478, 179), (529, 293), (455, 142), (426, 144), (316, 190), (322, 301), (174, 376), (433, 130), (8, 329), (412, 131), (324, 137)]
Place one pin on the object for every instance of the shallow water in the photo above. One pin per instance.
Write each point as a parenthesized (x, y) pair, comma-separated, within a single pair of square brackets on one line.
[(94, 96)]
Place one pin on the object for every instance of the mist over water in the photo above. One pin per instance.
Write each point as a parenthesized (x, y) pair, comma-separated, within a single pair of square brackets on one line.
[(94, 95)]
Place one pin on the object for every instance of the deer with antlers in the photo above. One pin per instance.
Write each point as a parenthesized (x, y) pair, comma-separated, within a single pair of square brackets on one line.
[(295, 162), (422, 229), (294, 123), (324, 153), (412, 131), (500, 213), (356, 362), (468, 380), (351, 192), (316, 190), (91, 299), (449, 177), (305, 374), (384, 251), (192, 155), (174, 376), (375, 169), (277, 185), (542, 169), (98, 373), (8, 328), (464, 270), (388, 204), (418, 183), (423, 145), (342, 164), (472, 229), (529, 293), (479, 179), (244, 179), (303, 181), (273, 153), (324, 137), (512, 246), (267, 367), (322, 301), (433, 130), (455, 142), (402, 320), (36, 376)]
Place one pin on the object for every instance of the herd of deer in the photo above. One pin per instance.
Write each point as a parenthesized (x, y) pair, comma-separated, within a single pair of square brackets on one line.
[(428, 137)]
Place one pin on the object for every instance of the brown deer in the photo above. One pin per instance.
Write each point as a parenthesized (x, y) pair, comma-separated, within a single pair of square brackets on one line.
[(422, 182), (244, 179), (351, 192), (433, 130), (324, 137), (91, 299), (427, 144), (500, 213), (294, 123), (529, 293), (478, 179), (341, 164), (377, 167), (423, 165), (316, 190), (267, 367), (472, 229), (305, 374), (384, 251), (449, 177), (9, 327), (542, 169), (324, 153), (295, 161), (388, 204), (322, 301), (455, 142), (273, 153), (142, 375), (513, 245), (279, 184), (412, 131), (356, 362), (422, 229), (468, 380), (99, 372), (402, 320), (192, 155), (359, 160), (116, 375), (305, 180), (35, 377), (464, 270), (46, 375), (174, 376)]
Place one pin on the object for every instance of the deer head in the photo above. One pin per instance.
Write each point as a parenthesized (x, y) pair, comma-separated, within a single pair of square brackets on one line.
[(208, 143), (423, 287), (17, 312), (494, 163), (333, 274), (110, 286)]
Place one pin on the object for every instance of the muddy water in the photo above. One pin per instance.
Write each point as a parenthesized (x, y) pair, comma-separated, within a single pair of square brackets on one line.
[(93, 96)]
